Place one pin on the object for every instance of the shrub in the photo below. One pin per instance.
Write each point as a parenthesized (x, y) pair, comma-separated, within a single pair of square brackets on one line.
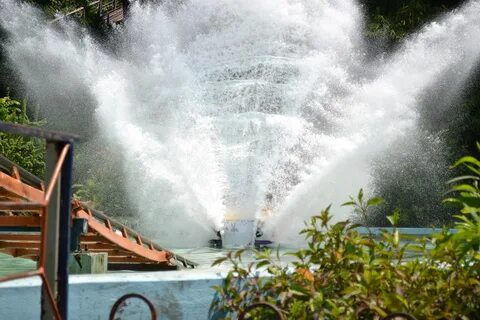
[(342, 274), (26, 152)]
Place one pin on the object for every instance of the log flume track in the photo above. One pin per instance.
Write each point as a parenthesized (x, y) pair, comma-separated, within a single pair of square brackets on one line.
[(126, 248), (112, 11)]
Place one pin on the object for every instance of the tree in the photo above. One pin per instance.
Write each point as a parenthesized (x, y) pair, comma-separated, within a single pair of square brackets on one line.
[(26, 152)]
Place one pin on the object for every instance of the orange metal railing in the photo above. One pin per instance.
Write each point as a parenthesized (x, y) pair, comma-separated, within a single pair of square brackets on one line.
[(22, 191), (126, 248), (42, 208)]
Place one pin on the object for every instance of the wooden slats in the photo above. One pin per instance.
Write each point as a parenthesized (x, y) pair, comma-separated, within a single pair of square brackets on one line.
[(130, 259), (22, 253), (99, 246), (20, 237), (19, 221), (16, 244), (114, 253)]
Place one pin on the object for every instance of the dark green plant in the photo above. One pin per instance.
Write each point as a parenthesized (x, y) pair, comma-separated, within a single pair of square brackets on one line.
[(342, 274), (453, 117), (100, 180), (411, 176), (361, 205), (406, 17), (26, 152), (467, 191)]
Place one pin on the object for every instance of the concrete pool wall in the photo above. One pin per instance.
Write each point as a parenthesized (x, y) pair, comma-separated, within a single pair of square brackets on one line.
[(175, 294)]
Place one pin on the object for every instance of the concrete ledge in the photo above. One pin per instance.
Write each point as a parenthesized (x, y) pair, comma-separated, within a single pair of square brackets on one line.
[(420, 232), (175, 294), (88, 263)]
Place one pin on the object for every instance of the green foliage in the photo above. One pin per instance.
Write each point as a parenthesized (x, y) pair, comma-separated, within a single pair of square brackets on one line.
[(467, 191), (87, 192), (342, 274), (405, 18), (411, 176), (54, 6), (26, 152), (361, 205), (89, 17), (100, 180)]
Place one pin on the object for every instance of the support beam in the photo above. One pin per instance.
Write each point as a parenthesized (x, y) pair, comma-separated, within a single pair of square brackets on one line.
[(52, 231), (64, 230)]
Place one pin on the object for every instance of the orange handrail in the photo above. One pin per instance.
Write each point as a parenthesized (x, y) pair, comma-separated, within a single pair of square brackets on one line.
[(56, 172), (42, 207)]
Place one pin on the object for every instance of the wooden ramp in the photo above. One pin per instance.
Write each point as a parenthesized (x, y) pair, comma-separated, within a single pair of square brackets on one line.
[(91, 230), (111, 11)]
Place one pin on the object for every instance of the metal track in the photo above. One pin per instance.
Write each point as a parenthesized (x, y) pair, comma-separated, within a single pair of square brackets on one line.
[(126, 248)]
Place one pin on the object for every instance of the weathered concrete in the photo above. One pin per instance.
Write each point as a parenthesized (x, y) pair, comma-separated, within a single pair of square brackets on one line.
[(175, 294), (88, 263)]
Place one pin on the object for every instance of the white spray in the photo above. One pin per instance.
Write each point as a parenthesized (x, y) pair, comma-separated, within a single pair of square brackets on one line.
[(216, 105)]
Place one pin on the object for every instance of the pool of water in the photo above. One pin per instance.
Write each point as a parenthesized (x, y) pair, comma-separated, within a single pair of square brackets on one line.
[(204, 256), (10, 265)]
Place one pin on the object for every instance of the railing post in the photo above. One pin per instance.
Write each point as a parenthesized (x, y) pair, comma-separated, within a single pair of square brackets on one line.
[(125, 4), (65, 228), (52, 231), (55, 218)]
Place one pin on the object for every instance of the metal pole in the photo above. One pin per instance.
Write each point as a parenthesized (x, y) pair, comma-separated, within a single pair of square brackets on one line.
[(52, 237), (65, 226), (125, 4)]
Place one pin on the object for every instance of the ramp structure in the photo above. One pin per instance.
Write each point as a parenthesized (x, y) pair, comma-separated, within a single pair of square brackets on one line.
[(111, 11), (92, 230)]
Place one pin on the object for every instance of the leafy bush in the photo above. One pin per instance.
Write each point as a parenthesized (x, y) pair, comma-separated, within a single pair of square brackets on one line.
[(342, 274), (26, 152), (411, 176), (397, 19)]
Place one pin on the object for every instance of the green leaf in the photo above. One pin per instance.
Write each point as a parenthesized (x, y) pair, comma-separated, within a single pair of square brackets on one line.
[(474, 170), (239, 253), (415, 247), (467, 160), (348, 203), (461, 178), (352, 291), (464, 187), (375, 201), (451, 200), (396, 238), (360, 195), (394, 218), (379, 311), (470, 201), (219, 261), (298, 290), (263, 263)]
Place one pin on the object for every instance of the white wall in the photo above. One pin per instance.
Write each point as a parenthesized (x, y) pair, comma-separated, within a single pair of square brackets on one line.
[(175, 294)]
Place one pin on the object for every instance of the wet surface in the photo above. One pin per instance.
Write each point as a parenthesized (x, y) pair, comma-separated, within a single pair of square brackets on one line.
[(11, 265)]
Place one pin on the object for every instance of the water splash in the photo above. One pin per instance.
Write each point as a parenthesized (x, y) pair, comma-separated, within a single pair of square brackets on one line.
[(228, 107)]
